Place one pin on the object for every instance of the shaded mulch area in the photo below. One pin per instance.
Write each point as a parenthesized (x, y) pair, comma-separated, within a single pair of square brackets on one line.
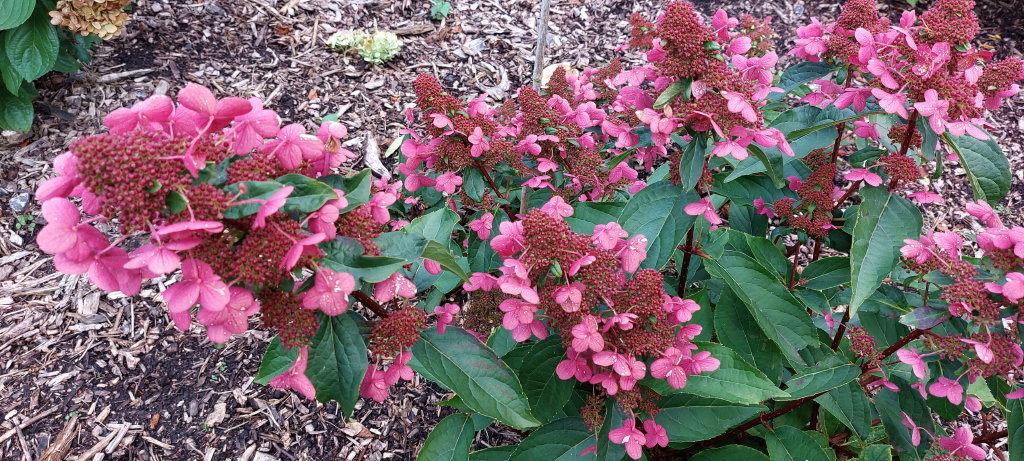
[(82, 372)]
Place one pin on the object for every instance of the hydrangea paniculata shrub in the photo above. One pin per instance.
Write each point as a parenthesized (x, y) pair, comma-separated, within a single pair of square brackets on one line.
[(702, 255)]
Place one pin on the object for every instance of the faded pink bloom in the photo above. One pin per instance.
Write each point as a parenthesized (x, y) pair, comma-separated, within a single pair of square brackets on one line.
[(586, 336), (447, 182), (738, 103), (538, 182), (811, 43), (756, 69), (148, 114), (972, 404), (759, 205), (865, 129), (961, 444), (440, 120), (632, 252), (329, 292), (557, 207), (511, 239), (379, 204), (893, 103), (699, 363), (680, 310), (159, 260), (925, 197), (629, 436), (915, 430), (295, 377), (982, 349), (374, 385), (445, 315), (706, 208), (517, 312), (570, 297), (483, 225), (608, 236), (863, 174), (983, 211), (212, 114), (575, 365), (271, 205), (655, 433), (578, 264), (395, 285), (911, 357), (935, 109), (949, 241), (292, 145), (1012, 290), (478, 143), (306, 246), (64, 184), (947, 388), (432, 267), (857, 97), (233, 319), (63, 230), (399, 369), (736, 148), (198, 284), (545, 165), (251, 129), (624, 320), (918, 250), (668, 368), (480, 281)]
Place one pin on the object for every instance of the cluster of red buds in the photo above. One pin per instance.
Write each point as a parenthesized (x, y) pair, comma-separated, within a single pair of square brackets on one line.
[(609, 322), (198, 178)]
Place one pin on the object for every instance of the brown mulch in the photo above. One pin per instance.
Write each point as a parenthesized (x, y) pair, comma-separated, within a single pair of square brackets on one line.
[(83, 372)]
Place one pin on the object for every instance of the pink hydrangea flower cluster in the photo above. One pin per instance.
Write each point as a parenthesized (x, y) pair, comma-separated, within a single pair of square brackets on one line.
[(990, 347), (727, 78), (155, 174), (609, 322), (927, 65), (549, 139)]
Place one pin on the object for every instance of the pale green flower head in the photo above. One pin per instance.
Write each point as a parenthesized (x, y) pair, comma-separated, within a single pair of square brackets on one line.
[(347, 39), (382, 46)]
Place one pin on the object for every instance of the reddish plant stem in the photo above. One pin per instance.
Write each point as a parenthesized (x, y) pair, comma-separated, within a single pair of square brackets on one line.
[(899, 344), (991, 437), (911, 128), (849, 191), (841, 330), (685, 272), (817, 249), (840, 127), (490, 182), (763, 418), (370, 304), (796, 260)]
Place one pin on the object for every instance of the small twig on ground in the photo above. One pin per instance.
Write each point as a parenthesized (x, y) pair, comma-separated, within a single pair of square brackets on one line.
[(26, 423)]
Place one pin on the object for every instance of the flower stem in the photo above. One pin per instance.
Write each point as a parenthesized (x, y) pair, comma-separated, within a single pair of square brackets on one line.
[(684, 273), (370, 304)]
